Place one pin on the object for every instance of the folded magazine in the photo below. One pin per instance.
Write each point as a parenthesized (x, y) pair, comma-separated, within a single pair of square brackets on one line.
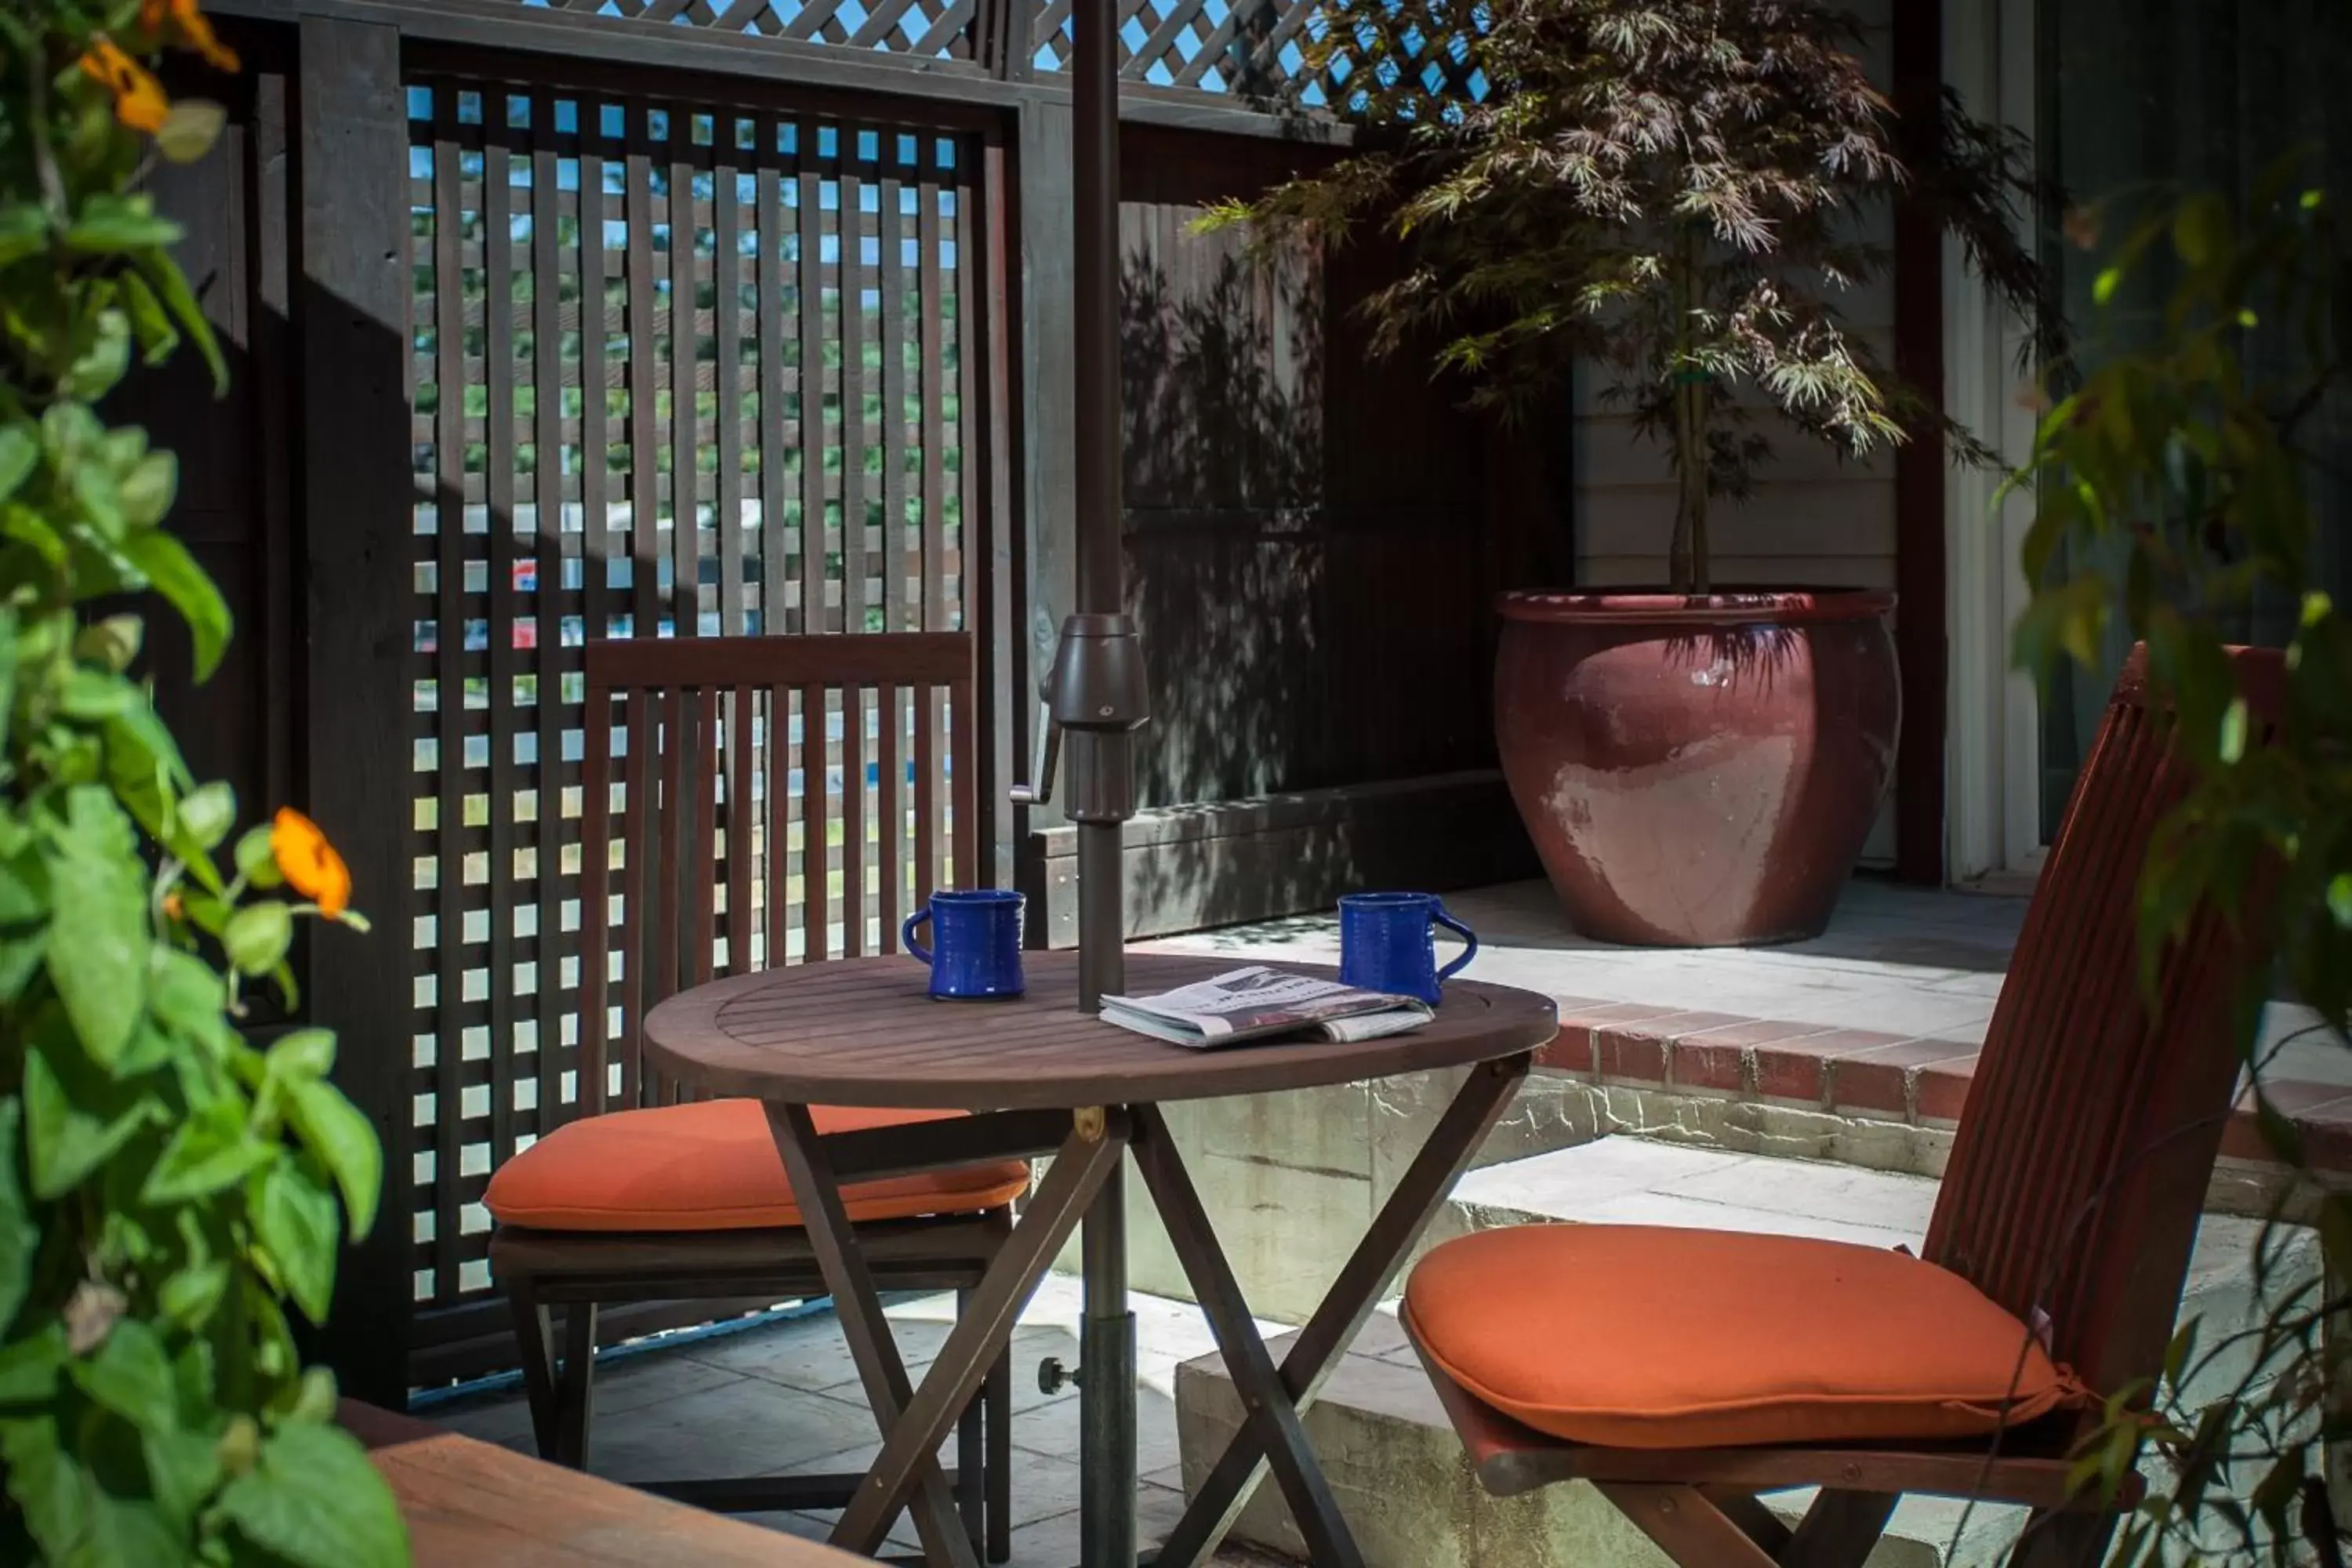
[(1257, 1004)]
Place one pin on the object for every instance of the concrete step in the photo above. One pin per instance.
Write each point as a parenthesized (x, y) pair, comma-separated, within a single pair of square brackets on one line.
[(1398, 1469)]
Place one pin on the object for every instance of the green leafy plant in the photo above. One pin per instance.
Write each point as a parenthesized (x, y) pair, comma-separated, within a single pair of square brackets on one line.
[(1675, 190), (2174, 484), (166, 1187)]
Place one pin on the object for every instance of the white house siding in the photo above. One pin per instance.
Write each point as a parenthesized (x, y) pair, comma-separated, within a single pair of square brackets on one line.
[(1812, 519)]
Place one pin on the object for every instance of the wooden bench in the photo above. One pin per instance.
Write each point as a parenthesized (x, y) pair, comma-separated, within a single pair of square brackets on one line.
[(467, 1503)]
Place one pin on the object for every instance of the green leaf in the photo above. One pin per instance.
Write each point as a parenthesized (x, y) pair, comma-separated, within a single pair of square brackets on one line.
[(171, 286), (20, 1238), (186, 992), (147, 491), (77, 1522), (213, 1150), (20, 959), (2232, 742), (56, 1493), (24, 887), (190, 128), (333, 1129), (20, 453), (257, 936), (97, 953), (315, 1502), (2200, 229), (92, 694), (183, 1470), (143, 764), (130, 1376), (152, 324), (303, 1056), (112, 642), (193, 1293), (208, 811), (29, 1369), (257, 857), (75, 1116), (109, 224), (100, 365), (30, 529), (294, 1217), (23, 231), (173, 572)]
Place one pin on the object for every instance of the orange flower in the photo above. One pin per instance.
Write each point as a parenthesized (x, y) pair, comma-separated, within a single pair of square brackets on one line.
[(195, 29), (139, 100), (173, 908), (309, 863)]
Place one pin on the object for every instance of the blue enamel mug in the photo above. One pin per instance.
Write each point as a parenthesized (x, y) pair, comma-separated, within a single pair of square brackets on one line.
[(1388, 942), (977, 952)]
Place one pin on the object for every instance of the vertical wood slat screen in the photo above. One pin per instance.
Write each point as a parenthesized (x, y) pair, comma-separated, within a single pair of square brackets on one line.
[(729, 845), (679, 370)]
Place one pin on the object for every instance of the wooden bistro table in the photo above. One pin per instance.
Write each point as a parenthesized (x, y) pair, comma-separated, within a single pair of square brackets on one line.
[(1042, 1077)]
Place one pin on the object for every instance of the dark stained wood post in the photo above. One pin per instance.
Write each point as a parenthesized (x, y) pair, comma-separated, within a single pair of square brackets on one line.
[(1919, 574), (1048, 519), (356, 502)]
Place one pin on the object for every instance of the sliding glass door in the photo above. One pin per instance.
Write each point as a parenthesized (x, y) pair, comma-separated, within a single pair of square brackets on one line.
[(2139, 96)]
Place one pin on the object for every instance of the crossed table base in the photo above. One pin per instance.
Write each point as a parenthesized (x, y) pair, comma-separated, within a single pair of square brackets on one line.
[(1043, 1079)]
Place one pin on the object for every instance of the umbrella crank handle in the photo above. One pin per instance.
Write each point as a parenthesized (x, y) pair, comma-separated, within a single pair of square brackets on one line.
[(1040, 790)]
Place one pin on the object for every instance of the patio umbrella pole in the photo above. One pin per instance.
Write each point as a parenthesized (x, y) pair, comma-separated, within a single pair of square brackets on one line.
[(1104, 700)]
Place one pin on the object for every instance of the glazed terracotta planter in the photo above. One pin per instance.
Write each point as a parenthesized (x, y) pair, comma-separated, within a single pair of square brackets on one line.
[(1697, 770)]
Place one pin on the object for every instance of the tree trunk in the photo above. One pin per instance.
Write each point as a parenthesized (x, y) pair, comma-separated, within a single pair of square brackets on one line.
[(1687, 565)]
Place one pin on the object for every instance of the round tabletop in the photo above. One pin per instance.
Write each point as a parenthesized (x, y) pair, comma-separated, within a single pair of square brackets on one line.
[(863, 1032)]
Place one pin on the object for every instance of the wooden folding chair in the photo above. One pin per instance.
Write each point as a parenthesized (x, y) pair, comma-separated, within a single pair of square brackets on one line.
[(730, 753), (1658, 1364)]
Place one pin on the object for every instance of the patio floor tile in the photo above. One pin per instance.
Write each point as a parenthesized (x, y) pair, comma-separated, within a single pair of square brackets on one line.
[(785, 1396)]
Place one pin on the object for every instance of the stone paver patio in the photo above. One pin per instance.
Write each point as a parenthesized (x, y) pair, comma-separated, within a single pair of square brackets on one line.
[(785, 1396)]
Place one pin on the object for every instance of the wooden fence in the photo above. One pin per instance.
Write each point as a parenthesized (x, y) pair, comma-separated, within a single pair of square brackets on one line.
[(658, 318)]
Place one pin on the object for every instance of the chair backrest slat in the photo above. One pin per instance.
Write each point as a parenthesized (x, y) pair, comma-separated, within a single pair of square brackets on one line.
[(698, 746), (925, 802), (852, 821), (889, 810), (2091, 1124), (743, 753), (816, 889)]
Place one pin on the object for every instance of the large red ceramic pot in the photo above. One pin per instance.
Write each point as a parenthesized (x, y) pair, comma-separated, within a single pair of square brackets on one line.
[(1697, 770)]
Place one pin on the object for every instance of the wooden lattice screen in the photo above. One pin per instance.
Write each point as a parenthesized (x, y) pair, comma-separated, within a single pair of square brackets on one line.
[(679, 370), (1257, 49)]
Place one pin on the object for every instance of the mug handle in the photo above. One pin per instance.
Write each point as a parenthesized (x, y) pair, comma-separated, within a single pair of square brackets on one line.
[(1465, 934), (907, 934)]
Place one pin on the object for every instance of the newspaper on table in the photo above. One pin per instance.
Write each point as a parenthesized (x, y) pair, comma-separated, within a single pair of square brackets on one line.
[(1258, 1003)]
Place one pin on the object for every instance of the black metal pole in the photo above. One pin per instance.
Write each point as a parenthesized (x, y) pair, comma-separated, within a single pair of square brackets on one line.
[(1106, 1462), (1103, 772)]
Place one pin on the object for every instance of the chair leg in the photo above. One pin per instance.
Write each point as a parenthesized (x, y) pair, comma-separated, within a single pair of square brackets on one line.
[(996, 1402), (971, 1489), (576, 1397), (2074, 1539), (531, 1338), (1840, 1531)]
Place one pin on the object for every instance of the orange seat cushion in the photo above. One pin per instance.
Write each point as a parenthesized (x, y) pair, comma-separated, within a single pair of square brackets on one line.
[(712, 1165), (1640, 1337)]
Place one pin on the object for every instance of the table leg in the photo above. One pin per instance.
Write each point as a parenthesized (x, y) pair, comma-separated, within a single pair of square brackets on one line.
[(1274, 1400), (913, 1427), (859, 1309), (1107, 1386)]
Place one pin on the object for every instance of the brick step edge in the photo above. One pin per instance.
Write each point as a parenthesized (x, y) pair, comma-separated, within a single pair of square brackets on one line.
[(1918, 1079)]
